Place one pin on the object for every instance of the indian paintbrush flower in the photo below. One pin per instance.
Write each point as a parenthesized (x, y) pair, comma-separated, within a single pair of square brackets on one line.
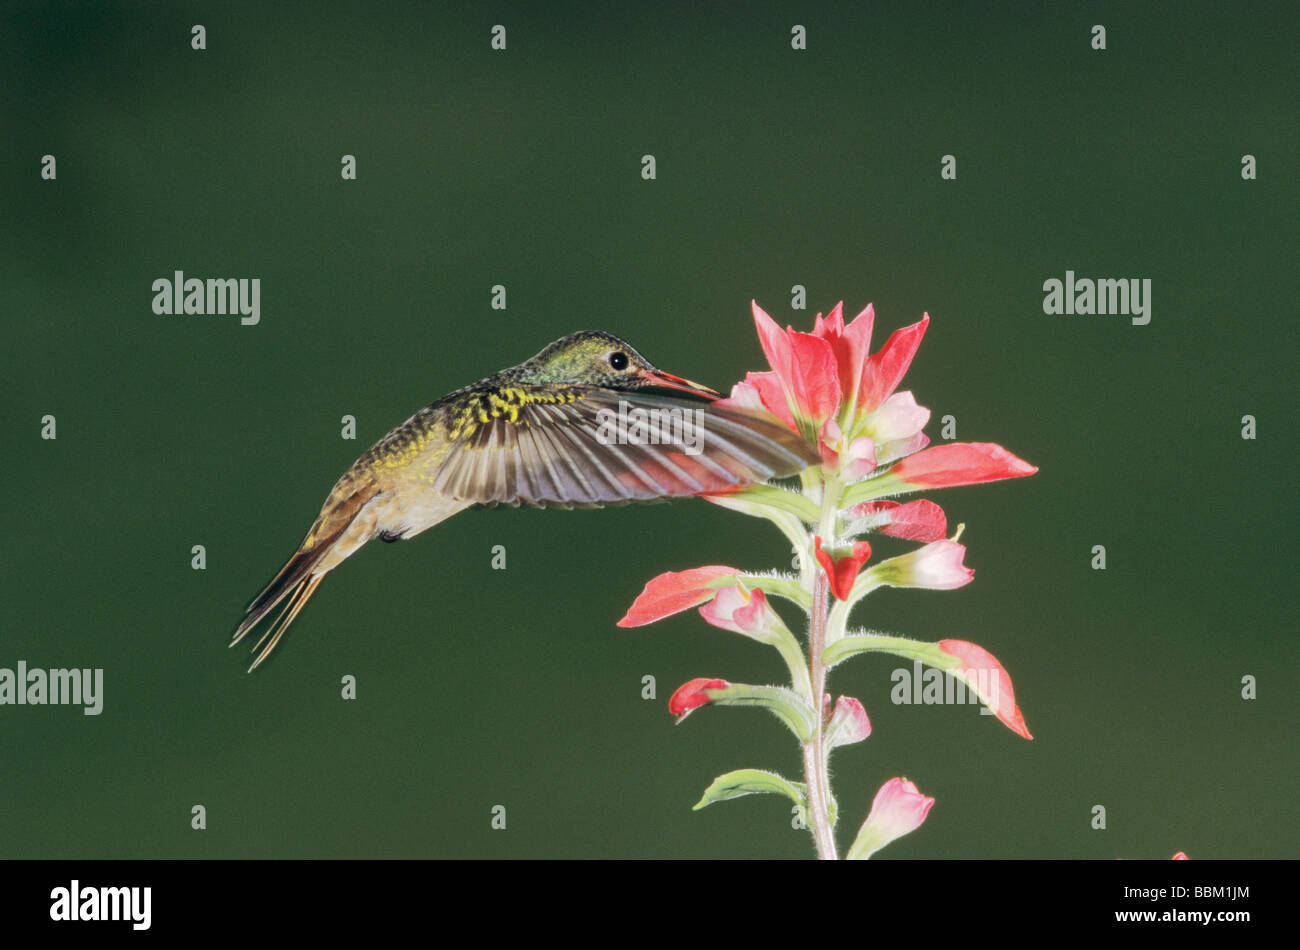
[(843, 402), (826, 386)]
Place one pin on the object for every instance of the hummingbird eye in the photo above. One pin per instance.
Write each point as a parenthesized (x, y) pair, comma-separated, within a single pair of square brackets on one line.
[(618, 359)]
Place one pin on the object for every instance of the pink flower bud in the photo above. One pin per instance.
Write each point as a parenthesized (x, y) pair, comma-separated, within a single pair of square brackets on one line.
[(936, 566), (899, 808), (849, 724), (742, 611)]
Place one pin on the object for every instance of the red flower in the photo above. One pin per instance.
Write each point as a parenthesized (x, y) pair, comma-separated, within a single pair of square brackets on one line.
[(804, 367), (850, 344), (842, 571), (826, 386)]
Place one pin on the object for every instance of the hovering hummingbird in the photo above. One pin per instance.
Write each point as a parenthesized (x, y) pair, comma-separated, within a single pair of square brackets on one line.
[(543, 433)]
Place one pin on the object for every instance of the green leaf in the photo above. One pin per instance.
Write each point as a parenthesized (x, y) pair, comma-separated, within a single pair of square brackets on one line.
[(787, 705), (879, 485), (982, 683), (777, 634), (743, 782), (928, 653), (776, 584), (754, 498)]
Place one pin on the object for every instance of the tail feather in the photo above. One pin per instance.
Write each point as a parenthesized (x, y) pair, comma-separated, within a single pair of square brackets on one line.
[(301, 594), (291, 578), (329, 542)]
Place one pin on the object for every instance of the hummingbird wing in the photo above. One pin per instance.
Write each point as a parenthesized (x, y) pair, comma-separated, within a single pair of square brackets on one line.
[(584, 446)]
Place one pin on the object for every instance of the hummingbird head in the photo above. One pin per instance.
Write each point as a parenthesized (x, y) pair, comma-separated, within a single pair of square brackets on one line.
[(593, 358)]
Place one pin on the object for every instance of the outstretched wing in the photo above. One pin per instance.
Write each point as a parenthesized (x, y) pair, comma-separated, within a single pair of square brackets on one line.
[(575, 446)]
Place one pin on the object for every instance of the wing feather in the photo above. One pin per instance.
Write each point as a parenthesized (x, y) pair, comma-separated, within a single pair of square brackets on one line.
[(606, 484), (580, 446), (560, 447)]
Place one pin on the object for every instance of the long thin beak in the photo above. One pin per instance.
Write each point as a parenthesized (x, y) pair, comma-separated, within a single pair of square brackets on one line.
[(658, 377)]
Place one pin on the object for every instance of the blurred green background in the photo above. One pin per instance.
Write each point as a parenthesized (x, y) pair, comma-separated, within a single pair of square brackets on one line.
[(775, 167)]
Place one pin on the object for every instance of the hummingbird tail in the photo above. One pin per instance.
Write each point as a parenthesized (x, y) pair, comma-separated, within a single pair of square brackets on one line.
[(301, 594), (298, 579)]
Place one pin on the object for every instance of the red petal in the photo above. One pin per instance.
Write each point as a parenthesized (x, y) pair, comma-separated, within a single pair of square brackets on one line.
[(674, 592), (692, 695), (921, 520), (775, 343), (853, 349), (815, 382), (843, 572), (772, 395), (832, 327), (885, 370), (975, 658), (960, 463)]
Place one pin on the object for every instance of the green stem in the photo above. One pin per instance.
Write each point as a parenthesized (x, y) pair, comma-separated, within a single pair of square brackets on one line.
[(839, 617), (773, 496), (814, 751), (828, 523), (816, 773)]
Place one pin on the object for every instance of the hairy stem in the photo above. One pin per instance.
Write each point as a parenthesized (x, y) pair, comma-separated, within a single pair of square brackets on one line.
[(814, 752)]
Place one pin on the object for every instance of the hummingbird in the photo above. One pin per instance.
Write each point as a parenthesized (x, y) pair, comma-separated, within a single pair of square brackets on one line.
[(544, 433)]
